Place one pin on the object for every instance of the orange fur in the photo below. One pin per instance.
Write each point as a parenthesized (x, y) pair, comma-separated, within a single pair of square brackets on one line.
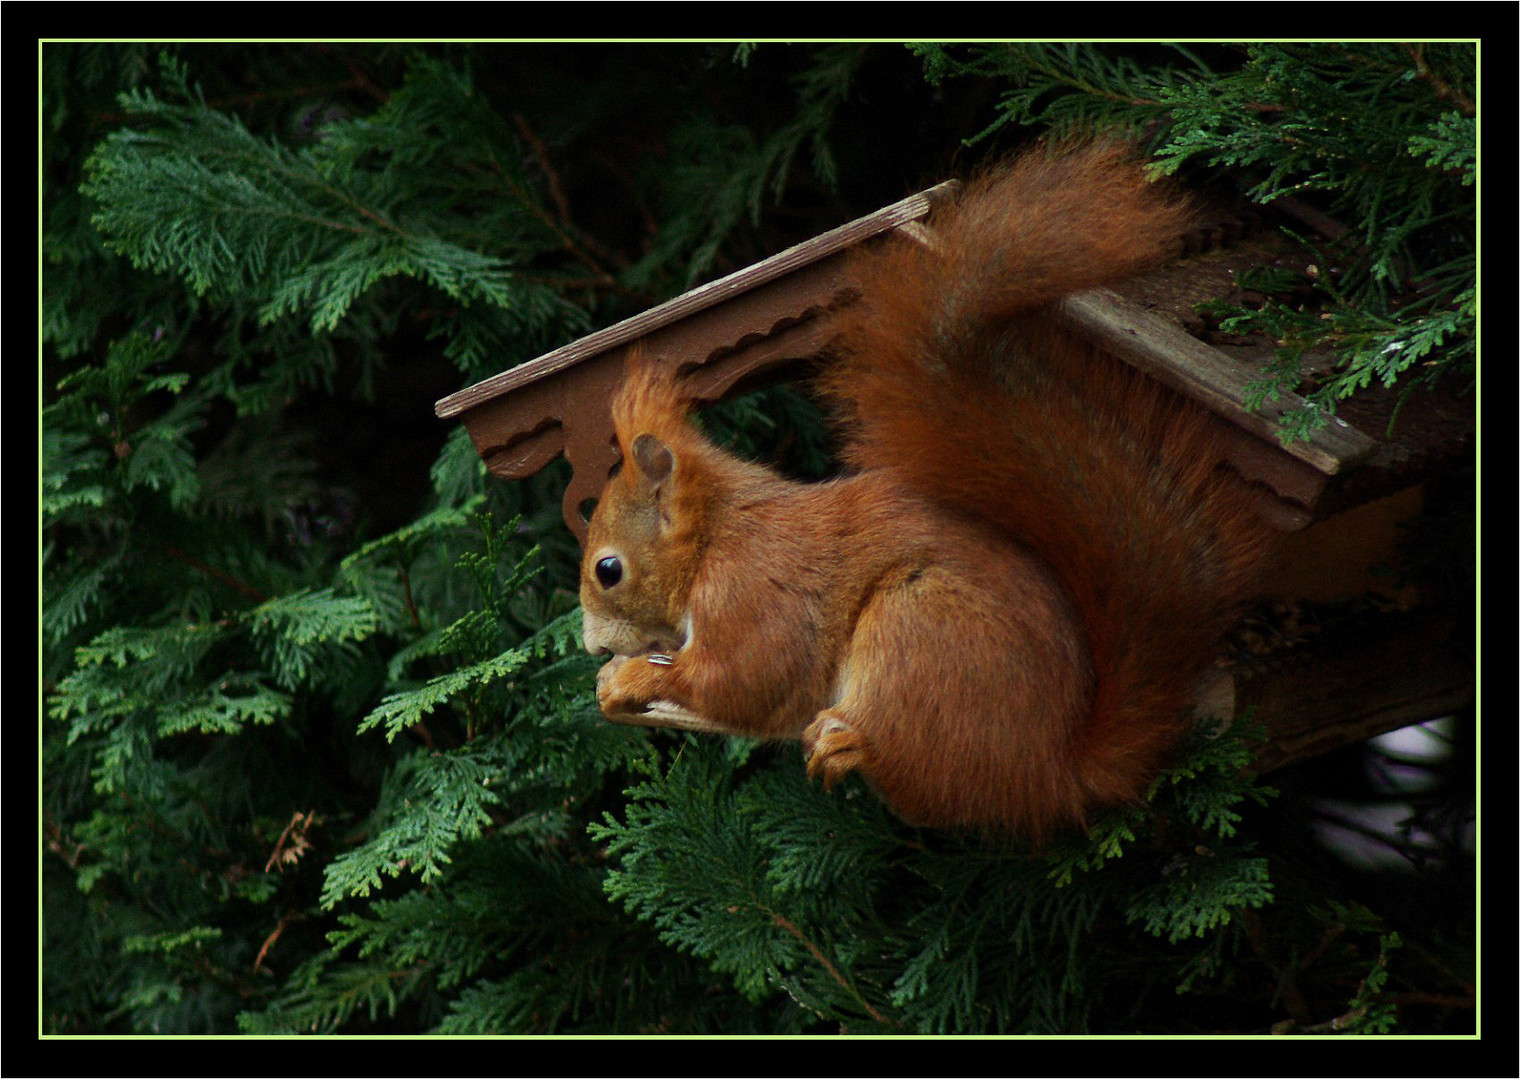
[(1001, 616)]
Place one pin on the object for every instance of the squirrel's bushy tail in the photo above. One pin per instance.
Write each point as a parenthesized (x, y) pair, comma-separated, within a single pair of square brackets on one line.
[(957, 376)]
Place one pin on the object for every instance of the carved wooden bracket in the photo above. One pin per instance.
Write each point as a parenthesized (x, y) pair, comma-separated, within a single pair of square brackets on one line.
[(766, 315)]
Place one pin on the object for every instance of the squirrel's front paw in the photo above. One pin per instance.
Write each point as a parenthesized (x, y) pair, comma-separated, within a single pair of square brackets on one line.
[(615, 697), (626, 685), (832, 747)]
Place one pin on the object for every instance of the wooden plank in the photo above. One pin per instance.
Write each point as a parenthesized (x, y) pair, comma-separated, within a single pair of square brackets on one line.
[(1177, 359), (1400, 676)]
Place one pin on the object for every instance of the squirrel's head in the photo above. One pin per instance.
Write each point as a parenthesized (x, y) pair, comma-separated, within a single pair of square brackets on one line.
[(645, 536)]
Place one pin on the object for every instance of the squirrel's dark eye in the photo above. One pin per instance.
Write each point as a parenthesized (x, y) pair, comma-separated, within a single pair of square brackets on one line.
[(609, 571)]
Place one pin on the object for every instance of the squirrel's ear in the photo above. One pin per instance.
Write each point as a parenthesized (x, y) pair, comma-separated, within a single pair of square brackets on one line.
[(653, 458)]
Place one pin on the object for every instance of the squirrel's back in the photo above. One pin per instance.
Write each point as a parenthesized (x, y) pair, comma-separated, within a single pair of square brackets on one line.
[(957, 375)]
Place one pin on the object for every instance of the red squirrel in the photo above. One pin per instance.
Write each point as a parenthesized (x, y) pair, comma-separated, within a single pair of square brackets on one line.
[(1001, 614)]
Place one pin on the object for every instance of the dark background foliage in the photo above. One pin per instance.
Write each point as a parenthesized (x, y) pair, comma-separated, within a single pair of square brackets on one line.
[(317, 742)]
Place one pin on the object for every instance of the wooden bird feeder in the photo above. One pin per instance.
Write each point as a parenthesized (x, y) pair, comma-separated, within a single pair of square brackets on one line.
[(1336, 499)]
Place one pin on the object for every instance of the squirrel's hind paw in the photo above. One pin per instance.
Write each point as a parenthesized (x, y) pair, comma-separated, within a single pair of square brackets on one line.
[(832, 748)]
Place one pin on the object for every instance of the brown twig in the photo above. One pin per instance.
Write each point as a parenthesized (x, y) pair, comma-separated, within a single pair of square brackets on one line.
[(285, 920), (828, 966), (211, 571), (584, 249), (1437, 83)]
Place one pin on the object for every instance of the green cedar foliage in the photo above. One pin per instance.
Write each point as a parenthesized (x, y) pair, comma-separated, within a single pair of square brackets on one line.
[(1384, 137), (878, 928), (318, 743)]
